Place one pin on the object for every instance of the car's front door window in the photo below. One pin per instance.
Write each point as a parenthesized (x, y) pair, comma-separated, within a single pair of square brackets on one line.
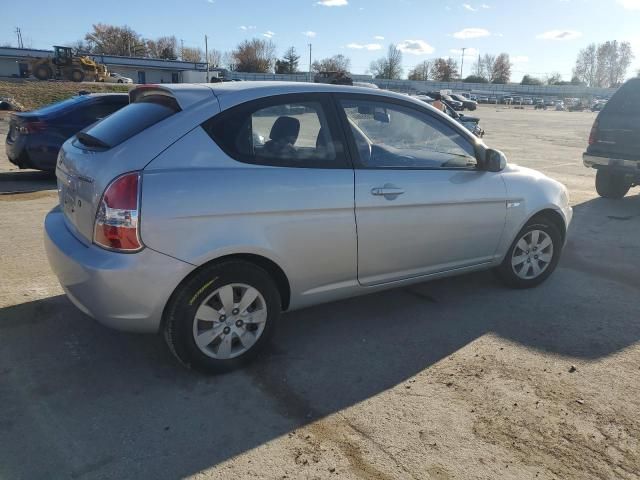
[(388, 135)]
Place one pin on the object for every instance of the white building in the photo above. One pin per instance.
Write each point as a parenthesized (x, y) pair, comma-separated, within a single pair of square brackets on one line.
[(14, 62)]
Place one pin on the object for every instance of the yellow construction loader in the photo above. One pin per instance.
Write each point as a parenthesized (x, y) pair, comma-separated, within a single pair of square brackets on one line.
[(64, 65)]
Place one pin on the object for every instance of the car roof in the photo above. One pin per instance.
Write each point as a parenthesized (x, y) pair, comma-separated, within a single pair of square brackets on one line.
[(188, 94)]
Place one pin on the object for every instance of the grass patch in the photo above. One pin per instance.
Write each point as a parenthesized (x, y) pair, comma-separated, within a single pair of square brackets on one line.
[(32, 94)]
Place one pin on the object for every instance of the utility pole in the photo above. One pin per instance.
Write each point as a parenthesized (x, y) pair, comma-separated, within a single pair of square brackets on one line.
[(310, 62), (19, 35), (181, 49), (462, 63), (206, 55)]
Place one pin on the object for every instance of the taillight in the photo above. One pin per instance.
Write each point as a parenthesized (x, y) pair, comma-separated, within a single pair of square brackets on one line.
[(32, 127), (116, 226), (593, 135)]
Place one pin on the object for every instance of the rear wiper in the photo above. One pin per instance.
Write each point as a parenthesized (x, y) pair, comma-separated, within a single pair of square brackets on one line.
[(91, 141)]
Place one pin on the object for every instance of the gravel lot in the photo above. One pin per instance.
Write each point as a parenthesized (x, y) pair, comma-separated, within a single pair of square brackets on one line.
[(459, 378)]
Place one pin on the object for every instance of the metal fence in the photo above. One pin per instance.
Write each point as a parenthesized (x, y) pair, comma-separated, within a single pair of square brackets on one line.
[(412, 86)]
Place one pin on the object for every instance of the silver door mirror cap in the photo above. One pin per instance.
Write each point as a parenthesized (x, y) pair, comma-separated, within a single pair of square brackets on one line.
[(494, 160)]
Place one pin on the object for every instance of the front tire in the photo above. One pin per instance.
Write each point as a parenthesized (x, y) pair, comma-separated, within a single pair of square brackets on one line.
[(42, 72), (222, 317), (611, 185), (533, 256)]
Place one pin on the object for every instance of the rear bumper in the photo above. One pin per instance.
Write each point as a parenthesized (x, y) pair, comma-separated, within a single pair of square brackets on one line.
[(123, 291), (619, 164)]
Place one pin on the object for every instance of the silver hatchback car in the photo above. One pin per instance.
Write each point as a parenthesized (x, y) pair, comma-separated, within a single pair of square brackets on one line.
[(204, 211)]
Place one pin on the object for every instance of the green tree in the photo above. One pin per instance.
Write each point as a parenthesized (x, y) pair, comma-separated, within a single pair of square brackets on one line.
[(289, 62), (444, 70), (529, 80)]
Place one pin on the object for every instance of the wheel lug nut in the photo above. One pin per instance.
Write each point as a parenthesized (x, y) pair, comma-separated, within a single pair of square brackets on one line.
[(235, 311), (222, 318), (239, 323), (226, 330)]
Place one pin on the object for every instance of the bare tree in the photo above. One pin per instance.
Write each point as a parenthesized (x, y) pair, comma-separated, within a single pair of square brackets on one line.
[(215, 58), (501, 72), (603, 65), (337, 63), (114, 40), (255, 56), (444, 70), (421, 71), (587, 65), (614, 60), (192, 54), (484, 66), (163, 47), (389, 67), (229, 61), (554, 78)]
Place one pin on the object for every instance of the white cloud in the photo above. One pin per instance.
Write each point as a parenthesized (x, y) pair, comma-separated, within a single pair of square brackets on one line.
[(366, 46), (268, 34), (466, 6), (332, 3), (519, 59), (630, 4), (469, 52), (472, 33), (247, 27), (485, 6), (559, 35), (378, 37), (309, 34), (415, 47)]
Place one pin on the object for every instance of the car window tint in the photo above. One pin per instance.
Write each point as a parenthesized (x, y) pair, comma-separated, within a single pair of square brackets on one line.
[(283, 134), (389, 135), (62, 106), (133, 119)]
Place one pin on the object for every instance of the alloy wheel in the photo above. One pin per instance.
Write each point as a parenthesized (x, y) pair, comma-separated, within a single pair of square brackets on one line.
[(229, 321), (532, 254)]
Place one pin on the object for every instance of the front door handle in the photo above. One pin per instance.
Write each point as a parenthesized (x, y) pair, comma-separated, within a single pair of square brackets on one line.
[(389, 191)]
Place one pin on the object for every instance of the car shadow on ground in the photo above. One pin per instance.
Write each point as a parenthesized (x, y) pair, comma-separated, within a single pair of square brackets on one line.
[(83, 401), (26, 181)]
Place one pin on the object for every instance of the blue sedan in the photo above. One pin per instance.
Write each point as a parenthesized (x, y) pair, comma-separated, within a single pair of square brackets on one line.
[(35, 137)]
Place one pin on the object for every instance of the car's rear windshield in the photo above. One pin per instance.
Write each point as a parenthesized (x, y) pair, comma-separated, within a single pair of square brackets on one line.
[(60, 107), (146, 111), (625, 100)]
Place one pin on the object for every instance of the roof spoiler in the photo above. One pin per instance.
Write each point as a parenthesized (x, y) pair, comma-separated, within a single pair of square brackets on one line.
[(186, 95)]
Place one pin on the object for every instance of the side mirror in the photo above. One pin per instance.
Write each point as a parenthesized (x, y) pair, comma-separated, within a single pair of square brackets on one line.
[(382, 117), (494, 160)]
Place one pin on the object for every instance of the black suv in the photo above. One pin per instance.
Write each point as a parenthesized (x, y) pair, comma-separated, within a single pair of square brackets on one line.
[(614, 143)]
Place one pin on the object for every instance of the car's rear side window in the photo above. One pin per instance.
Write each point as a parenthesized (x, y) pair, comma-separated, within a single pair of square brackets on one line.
[(626, 100), (287, 131), (129, 121)]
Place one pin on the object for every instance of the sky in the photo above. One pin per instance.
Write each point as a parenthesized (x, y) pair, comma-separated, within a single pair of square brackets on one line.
[(542, 37)]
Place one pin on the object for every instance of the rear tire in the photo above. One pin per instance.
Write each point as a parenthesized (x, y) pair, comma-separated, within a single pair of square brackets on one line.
[(533, 256), (205, 335), (611, 185), (77, 75), (42, 72), (120, 81)]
